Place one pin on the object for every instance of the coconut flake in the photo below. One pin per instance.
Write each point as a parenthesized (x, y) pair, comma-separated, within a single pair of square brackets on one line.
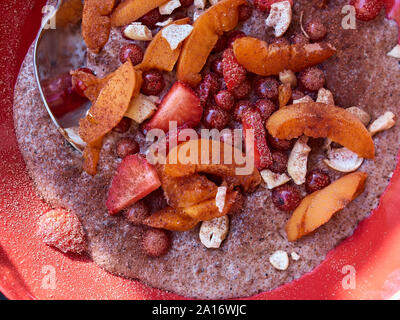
[(169, 7), (297, 163), (273, 179), (279, 260), (220, 198), (175, 34), (384, 122)]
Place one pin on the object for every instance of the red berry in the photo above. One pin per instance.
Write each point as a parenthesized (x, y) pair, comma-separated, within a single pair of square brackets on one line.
[(266, 108), (279, 144), (216, 67), (186, 3), (234, 73), (240, 107), (245, 12), (126, 147), (312, 78), (62, 229), (78, 86), (208, 86), (123, 126), (233, 36), (221, 44), (151, 18), (225, 100), (316, 30), (153, 82), (316, 180), (133, 52), (267, 87), (156, 242), (243, 91), (367, 10), (280, 162), (297, 94), (251, 120), (265, 5), (286, 197), (215, 117)]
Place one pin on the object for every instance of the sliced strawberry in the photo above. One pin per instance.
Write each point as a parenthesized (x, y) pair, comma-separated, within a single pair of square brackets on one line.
[(135, 179), (62, 229), (181, 104), (265, 5), (251, 119), (367, 10), (234, 73), (392, 8)]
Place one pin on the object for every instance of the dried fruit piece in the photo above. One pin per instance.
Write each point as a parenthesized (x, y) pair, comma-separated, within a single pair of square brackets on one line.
[(96, 24), (319, 207), (319, 120), (285, 94), (131, 10), (265, 60), (170, 219), (135, 178), (137, 31), (343, 160), (141, 108), (273, 179), (62, 229), (214, 231), (280, 17), (234, 73), (111, 104), (384, 122), (91, 156), (219, 18), (180, 104), (297, 163)]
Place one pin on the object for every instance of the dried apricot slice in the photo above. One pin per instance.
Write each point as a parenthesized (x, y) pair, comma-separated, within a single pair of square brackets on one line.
[(219, 18), (319, 120), (265, 59)]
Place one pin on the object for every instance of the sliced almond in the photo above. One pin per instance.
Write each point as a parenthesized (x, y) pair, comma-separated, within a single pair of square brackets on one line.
[(279, 260), (280, 17), (288, 77), (343, 160), (213, 232), (273, 179), (175, 34), (141, 108), (220, 198), (325, 96), (164, 23), (304, 99), (169, 7), (297, 163), (384, 122), (363, 116), (295, 256), (395, 52), (138, 31), (200, 4)]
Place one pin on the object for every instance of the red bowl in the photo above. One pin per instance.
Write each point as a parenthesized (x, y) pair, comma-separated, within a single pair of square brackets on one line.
[(29, 269)]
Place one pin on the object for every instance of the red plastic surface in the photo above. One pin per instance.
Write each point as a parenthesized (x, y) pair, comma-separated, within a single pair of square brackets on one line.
[(26, 264)]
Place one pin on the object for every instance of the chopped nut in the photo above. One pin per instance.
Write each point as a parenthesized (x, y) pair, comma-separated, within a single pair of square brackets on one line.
[(280, 17), (297, 163), (164, 23), (138, 31), (325, 96), (384, 122), (288, 77), (214, 231), (200, 4), (295, 256), (220, 198), (175, 34), (73, 134), (304, 99), (395, 52), (343, 160), (273, 179), (279, 260), (169, 7), (141, 108), (363, 116)]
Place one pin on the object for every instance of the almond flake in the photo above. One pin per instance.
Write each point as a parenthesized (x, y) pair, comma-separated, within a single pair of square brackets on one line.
[(220, 198), (273, 179), (141, 108), (169, 7), (384, 122), (279, 260), (175, 34), (295, 256), (138, 31), (280, 17), (395, 52), (304, 99), (297, 163), (325, 96), (214, 231), (164, 23)]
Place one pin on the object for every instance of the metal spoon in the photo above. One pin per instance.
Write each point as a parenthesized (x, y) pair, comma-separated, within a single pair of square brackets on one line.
[(59, 49)]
